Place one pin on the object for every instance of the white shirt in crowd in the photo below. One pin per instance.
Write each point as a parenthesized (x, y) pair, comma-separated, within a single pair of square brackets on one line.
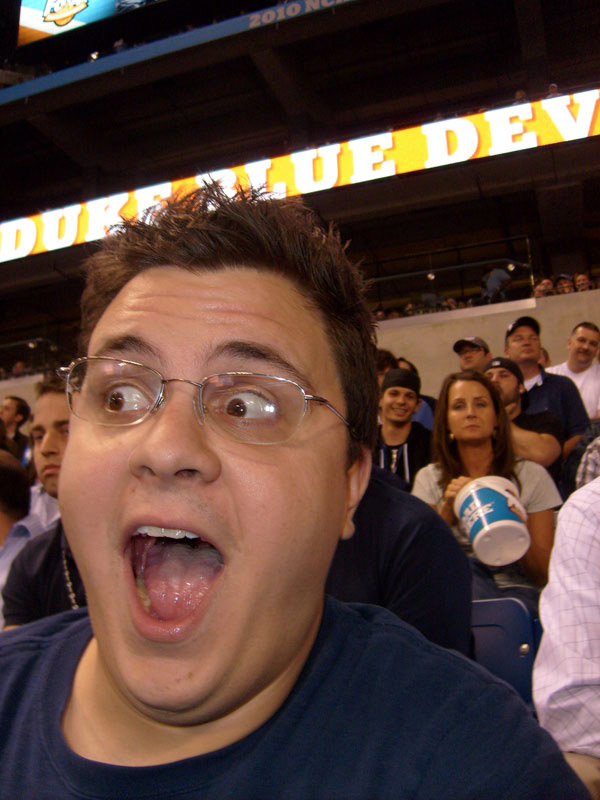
[(588, 383), (44, 506), (566, 675)]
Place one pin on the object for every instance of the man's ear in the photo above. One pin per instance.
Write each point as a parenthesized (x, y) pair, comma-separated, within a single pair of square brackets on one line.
[(419, 402), (357, 478)]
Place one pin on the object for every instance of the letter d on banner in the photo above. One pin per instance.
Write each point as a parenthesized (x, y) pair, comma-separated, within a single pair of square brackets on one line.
[(17, 238), (438, 145)]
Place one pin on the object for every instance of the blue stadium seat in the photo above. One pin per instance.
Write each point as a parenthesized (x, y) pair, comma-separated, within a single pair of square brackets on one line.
[(505, 641)]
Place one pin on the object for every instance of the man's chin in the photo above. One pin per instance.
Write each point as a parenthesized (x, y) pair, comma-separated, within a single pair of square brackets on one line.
[(51, 486), (173, 706), (173, 690)]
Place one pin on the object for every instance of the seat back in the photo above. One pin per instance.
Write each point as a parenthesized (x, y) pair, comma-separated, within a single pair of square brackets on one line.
[(504, 641)]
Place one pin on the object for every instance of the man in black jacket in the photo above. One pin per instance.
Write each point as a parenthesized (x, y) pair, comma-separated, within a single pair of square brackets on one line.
[(403, 445)]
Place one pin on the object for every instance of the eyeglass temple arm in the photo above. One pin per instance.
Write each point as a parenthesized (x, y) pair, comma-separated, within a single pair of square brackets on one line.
[(315, 398)]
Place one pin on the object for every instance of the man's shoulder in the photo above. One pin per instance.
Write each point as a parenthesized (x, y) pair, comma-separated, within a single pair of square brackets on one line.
[(45, 540), (530, 470), (576, 548), (431, 471), (386, 504), (540, 422), (47, 630), (586, 499), (41, 547), (29, 648), (403, 682), (418, 432), (592, 373), (20, 439), (558, 381), (396, 653), (557, 369)]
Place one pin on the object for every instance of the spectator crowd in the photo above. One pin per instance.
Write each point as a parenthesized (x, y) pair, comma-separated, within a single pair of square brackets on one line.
[(329, 481), (496, 287)]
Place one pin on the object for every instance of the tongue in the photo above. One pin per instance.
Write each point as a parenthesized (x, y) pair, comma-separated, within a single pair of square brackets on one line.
[(173, 577)]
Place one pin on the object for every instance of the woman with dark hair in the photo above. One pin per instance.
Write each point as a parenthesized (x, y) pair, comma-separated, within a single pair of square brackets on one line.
[(471, 439)]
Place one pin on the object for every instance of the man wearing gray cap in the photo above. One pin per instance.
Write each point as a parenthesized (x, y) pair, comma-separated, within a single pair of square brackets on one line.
[(545, 392), (403, 445), (472, 352)]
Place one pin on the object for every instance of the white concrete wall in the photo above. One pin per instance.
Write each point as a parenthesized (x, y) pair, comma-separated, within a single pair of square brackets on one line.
[(427, 340)]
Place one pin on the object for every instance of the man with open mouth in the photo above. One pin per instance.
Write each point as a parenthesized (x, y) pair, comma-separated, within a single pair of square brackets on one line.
[(222, 418)]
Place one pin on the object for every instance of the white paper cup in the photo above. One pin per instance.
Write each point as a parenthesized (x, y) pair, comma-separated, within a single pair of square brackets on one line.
[(491, 515)]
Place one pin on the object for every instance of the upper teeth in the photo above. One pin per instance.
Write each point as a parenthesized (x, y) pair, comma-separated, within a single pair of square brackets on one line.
[(172, 533)]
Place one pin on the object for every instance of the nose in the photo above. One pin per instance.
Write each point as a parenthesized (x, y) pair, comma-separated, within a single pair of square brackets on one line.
[(172, 445), (50, 443)]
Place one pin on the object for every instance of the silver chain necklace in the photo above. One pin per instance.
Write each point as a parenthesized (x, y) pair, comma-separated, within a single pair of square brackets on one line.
[(68, 581)]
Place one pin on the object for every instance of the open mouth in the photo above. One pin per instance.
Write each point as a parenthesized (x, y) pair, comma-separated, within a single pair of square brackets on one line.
[(173, 570)]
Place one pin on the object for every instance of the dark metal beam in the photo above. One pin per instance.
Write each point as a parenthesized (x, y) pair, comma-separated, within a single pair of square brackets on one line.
[(76, 141), (532, 36), (293, 92)]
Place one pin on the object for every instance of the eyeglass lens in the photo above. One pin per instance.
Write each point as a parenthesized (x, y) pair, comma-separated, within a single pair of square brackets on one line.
[(250, 408)]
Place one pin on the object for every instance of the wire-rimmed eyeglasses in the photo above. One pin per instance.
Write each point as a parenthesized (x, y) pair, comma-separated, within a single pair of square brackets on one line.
[(244, 406)]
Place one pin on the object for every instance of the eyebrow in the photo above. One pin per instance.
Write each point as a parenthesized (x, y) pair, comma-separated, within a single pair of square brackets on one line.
[(127, 343), (56, 424), (261, 352), (477, 397), (236, 348)]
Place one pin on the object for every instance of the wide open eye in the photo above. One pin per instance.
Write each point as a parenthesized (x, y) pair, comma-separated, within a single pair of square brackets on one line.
[(109, 391), (127, 399), (258, 409), (249, 404)]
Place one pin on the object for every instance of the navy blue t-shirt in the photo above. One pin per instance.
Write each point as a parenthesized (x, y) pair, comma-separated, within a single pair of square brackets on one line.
[(404, 557), (377, 712)]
